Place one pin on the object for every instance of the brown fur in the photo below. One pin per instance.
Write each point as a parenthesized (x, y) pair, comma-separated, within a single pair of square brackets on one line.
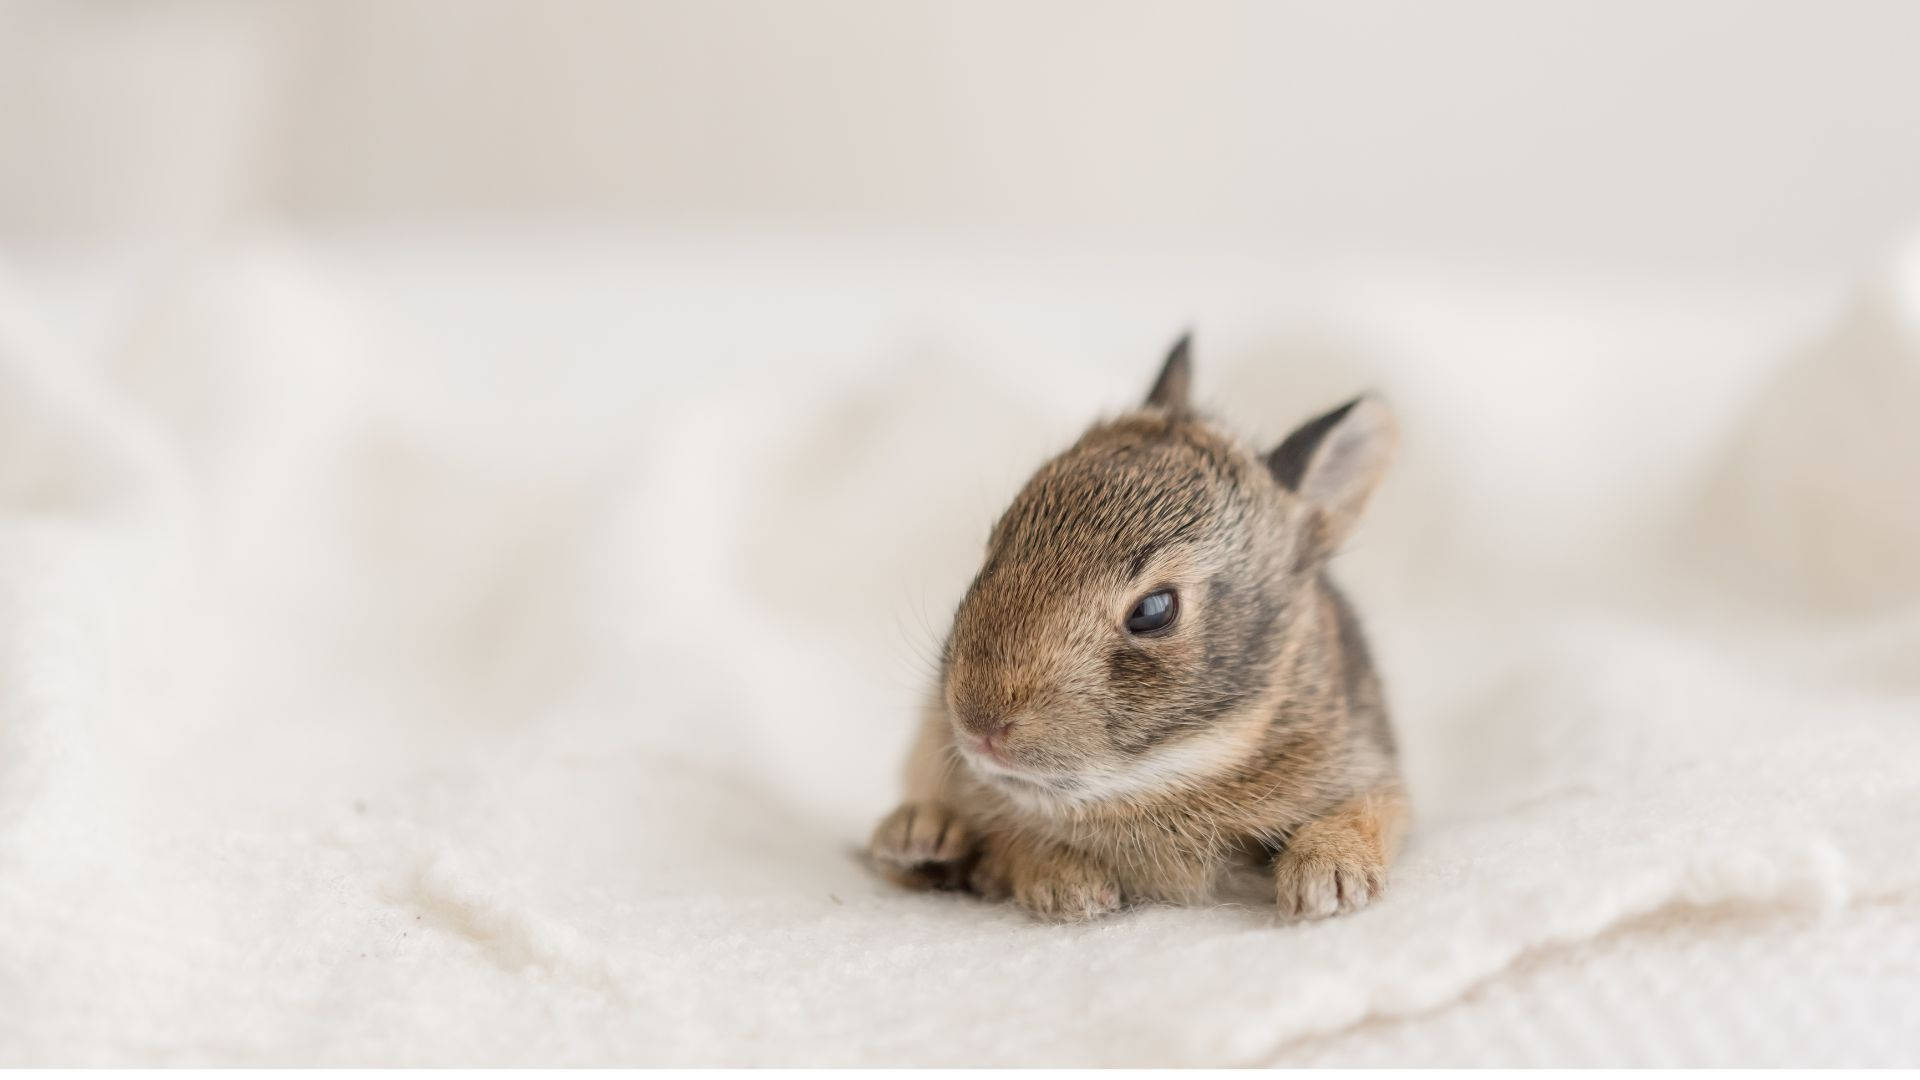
[(1144, 767)]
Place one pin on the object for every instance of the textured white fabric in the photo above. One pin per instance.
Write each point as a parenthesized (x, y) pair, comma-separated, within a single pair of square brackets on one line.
[(429, 651)]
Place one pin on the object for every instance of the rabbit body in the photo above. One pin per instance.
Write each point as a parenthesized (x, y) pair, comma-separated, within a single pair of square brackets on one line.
[(1153, 682)]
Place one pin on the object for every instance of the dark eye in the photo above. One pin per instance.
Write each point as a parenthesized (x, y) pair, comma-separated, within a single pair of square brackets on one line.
[(1154, 613)]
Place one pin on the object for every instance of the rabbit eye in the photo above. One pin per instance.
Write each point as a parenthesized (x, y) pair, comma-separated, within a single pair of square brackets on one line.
[(1154, 613)]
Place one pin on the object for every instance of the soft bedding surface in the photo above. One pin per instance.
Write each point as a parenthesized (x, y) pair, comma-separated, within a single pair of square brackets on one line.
[(427, 649)]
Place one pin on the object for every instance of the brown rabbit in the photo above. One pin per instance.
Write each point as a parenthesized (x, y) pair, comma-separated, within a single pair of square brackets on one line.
[(1152, 681)]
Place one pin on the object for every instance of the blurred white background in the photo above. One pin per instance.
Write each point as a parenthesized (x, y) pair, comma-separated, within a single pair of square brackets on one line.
[(1725, 133), (481, 483)]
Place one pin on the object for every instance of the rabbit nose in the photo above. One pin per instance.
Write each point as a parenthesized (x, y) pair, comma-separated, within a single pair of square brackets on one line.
[(989, 740)]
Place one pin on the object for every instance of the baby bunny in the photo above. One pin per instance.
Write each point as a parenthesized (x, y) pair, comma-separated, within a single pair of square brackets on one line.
[(1153, 682)]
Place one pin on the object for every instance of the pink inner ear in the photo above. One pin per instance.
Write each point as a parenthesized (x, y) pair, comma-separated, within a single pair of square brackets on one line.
[(1349, 462)]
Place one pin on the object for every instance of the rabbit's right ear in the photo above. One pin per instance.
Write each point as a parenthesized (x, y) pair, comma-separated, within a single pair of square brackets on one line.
[(1176, 376), (1334, 462)]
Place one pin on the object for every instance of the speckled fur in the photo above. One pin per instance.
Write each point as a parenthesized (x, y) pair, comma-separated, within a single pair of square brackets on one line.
[(1138, 769)]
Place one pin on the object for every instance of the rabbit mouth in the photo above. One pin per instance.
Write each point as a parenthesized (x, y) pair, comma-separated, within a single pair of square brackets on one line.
[(1166, 771), (995, 770)]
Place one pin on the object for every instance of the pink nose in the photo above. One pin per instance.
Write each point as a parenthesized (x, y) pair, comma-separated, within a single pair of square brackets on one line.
[(989, 741)]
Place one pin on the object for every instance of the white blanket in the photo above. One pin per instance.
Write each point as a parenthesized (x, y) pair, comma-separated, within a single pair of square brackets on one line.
[(425, 650)]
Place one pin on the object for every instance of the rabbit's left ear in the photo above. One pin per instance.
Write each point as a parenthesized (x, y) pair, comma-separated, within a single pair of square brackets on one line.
[(1335, 460), (1176, 375)]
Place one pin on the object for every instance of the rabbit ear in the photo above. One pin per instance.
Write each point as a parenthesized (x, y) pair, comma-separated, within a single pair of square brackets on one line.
[(1335, 460), (1176, 375)]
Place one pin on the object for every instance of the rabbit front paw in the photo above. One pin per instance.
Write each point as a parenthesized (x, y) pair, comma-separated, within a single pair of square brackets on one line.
[(1314, 881), (1338, 863), (1052, 884), (922, 846)]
